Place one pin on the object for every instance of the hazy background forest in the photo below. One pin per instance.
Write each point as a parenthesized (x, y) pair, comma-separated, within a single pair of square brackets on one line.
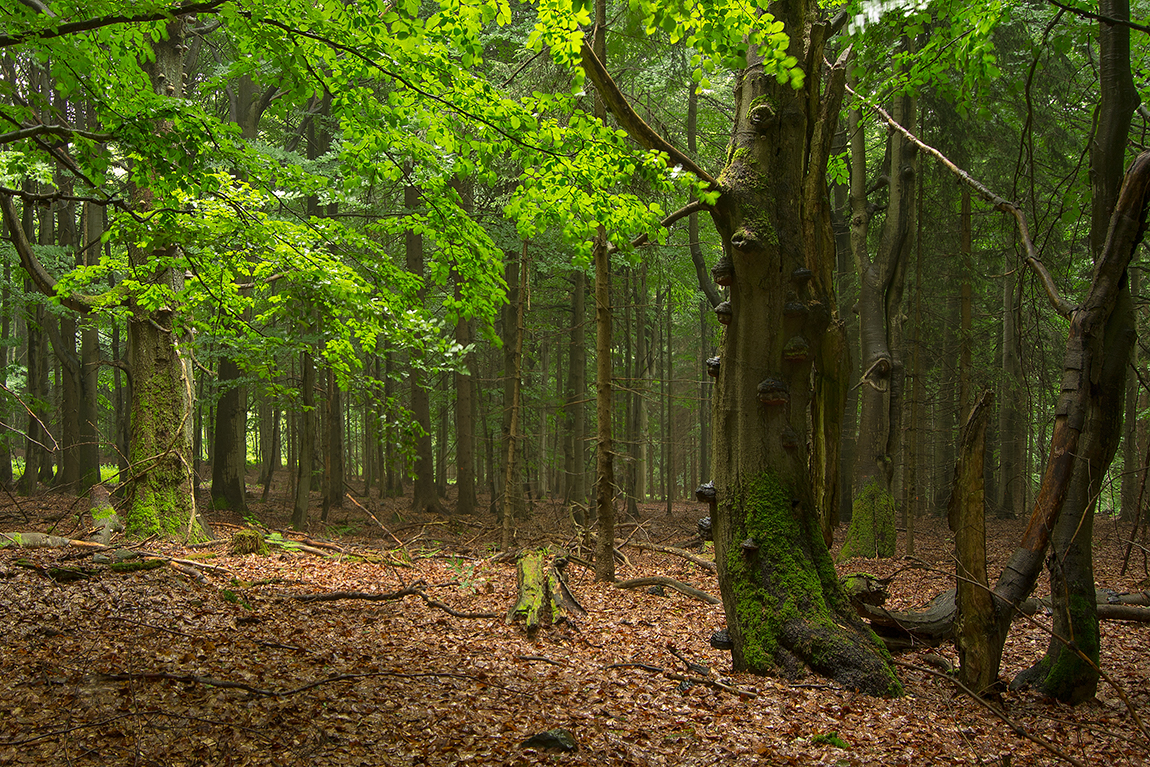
[(389, 341)]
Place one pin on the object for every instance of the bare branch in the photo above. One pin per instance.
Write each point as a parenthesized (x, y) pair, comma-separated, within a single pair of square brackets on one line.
[(695, 207), (1061, 305), (640, 131)]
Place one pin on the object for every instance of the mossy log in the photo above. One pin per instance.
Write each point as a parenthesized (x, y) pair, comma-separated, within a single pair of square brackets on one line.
[(544, 597)]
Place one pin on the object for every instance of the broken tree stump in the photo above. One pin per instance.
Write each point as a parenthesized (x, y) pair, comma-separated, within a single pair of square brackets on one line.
[(544, 597)]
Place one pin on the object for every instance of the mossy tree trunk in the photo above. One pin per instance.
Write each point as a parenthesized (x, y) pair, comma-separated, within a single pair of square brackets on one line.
[(161, 493), (881, 281), (782, 598), (783, 601)]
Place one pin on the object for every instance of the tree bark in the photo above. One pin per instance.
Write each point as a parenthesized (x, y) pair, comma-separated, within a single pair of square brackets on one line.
[(781, 596), (161, 492), (979, 658)]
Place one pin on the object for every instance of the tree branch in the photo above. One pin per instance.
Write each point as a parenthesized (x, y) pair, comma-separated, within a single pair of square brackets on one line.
[(644, 134), (63, 131), (98, 22), (45, 282), (1061, 305), (1099, 17)]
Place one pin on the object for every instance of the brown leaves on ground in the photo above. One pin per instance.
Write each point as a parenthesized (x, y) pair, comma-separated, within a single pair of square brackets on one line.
[(156, 668)]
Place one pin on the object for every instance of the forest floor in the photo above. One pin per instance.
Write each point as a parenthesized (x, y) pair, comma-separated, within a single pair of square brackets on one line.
[(161, 668)]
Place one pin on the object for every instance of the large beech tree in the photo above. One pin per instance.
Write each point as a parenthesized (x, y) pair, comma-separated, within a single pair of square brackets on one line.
[(781, 596)]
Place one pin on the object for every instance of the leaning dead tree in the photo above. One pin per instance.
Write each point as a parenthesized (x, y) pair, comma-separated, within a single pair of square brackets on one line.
[(1097, 350)]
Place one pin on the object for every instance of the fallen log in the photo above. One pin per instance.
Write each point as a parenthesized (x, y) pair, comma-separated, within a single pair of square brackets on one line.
[(934, 624), (671, 583)]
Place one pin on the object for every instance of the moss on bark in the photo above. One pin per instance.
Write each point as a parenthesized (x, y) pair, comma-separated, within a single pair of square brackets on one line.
[(788, 600), (872, 530)]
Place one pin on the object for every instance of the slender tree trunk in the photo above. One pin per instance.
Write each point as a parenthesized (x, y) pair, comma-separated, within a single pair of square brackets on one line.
[(574, 467), (305, 451), (1012, 424), (605, 473), (512, 488), (424, 497)]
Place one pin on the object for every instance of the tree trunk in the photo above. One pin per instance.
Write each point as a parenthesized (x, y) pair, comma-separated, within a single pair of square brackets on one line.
[(512, 488), (334, 469), (1012, 425), (575, 492), (781, 596), (1064, 673), (881, 279), (979, 658), (305, 451), (229, 454), (424, 497), (604, 472), (161, 494)]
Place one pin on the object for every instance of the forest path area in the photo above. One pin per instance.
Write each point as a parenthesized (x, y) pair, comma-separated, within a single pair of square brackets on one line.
[(158, 667)]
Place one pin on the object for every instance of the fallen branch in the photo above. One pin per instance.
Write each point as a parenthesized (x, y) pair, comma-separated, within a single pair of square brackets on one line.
[(706, 564), (1015, 727), (415, 589), (671, 583), (688, 679)]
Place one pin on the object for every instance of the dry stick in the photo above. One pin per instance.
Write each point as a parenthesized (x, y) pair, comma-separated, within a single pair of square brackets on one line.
[(414, 589), (660, 580), (381, 525), (706, 564), (1061, 305), (28, 519), (1017, 728)]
